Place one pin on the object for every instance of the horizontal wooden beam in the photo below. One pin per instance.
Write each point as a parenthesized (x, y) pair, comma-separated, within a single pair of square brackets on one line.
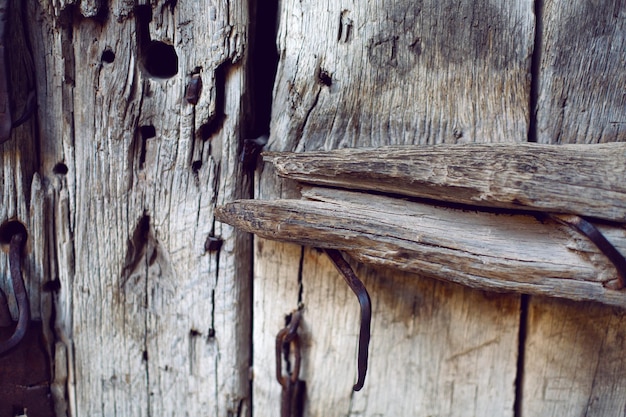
[(503, 252), (586, 180)]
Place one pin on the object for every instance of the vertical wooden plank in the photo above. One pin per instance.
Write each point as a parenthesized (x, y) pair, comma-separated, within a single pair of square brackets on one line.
[(581, 80), (573, 362), (351, 75), (147, 320)]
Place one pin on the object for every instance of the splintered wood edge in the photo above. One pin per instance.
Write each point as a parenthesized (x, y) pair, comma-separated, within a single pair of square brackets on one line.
[(507, 253), (581, 179)]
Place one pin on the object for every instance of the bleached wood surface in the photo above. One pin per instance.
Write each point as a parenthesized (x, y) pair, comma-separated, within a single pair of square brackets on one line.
[(573, 352), (581, 179), (489, 251), (355, 75), (581, 77), (146, 322)]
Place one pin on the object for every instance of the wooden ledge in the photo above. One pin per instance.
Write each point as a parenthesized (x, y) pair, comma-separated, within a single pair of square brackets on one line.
[(586, 180), (521, 251)]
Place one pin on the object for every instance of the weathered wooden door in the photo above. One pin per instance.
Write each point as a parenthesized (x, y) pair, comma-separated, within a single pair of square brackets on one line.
[(424, 72), (115, 179), (151, 308)]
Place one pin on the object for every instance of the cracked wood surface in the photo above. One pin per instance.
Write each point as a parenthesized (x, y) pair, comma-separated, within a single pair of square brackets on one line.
[(573, 351), (581, 179), (427, 73), (145, 321), (392, 73), (489, 251)]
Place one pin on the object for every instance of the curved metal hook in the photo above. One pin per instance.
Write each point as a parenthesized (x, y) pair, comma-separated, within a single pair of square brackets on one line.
[(23, 306), (365, 303), (588, 229)]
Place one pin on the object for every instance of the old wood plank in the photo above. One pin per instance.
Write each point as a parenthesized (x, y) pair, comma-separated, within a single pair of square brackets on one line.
[(489, 251), (574, 363), (355, 74), (424, 337), (581, 179), (147, 321), (401, 73), (581, 78)]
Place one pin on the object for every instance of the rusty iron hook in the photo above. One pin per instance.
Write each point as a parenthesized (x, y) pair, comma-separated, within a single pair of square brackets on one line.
[(21, 297), (365, 303)]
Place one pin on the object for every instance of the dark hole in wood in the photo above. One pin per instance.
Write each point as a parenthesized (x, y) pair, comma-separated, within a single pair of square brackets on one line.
[(324, 77), (108, 56), (161, 60), (196, 165), (216, 120), (52, 286), (146, 132), (262, 65), (10, 228), (60, 169), (143, 12)]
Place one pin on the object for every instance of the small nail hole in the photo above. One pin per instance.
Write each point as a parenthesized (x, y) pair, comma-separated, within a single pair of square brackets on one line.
[(161, 60), (196, 165), (324, 77), (60, 169), (108, 56)]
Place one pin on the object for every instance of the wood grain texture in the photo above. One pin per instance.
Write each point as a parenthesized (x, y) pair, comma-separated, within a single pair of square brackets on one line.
[(146, 322), (382, 73), (580, 179), (426, 342), (575, 364), (581, 79), (573, 359), (484, 250), (401, 72)]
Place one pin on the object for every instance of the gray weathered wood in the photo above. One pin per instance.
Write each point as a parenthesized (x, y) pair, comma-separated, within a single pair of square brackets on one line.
[(581, 179), (574, 359), (581, 76), (379, 73), (574, 351), (146, 321), (484, 250)]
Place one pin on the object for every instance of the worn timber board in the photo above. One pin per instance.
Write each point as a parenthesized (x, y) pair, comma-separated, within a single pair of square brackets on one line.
[(573, 363), (128, 175), (579, 179), (486, 250), (372, 74), (581, 79)]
